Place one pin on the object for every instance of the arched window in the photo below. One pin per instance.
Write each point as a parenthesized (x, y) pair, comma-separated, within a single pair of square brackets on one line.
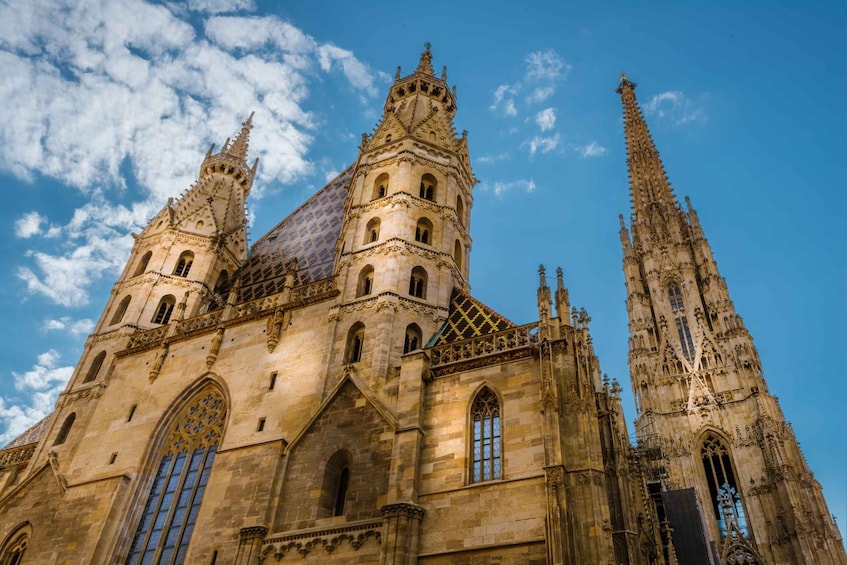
[(423, 231), (121, 310), (366, 281), (185, 463), (336, 485), (412, 341), (164, 310), (460, 209), (94, 368), (355, 343), (485, 421), (65, 429), (428, 186), (681, 320), (222, 285), (16, 544), (457, 253), (184, 264), (380, 186), (417, 282), (723, 488), (142, 264), (372, 231)]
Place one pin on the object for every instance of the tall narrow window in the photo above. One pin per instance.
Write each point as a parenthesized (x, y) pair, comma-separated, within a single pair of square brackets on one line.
[(681, 320), (62, 436), (366, 280), (380, 186), (355, 343), (341, 494), (336, 485), (96, 364), (460, 209), (142, 264), (423, 231), (457, 253), (428, 185), (169, 515), (183, 265), (723, 489), (121, 310), (417, 282), (412, 341), (372, 231), (164, 310), (485, 420)]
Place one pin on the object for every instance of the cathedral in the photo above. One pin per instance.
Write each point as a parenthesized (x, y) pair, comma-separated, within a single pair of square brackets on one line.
[(334, 393)]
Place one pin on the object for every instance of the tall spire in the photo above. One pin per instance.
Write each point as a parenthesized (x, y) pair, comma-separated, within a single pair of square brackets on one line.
[(648, 181), (238, 148)]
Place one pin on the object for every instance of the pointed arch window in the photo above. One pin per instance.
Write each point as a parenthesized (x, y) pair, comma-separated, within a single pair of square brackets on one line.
[(486, 460), (457, 254), (423, 231), (417, 282), (164, 310), (412, 341), (94, 368), (168, 518), (372, 231), (62, 436), (121, 310), (16, 545), (428, 186), (142, 264), (183, 265), (460, 209), (355, 343), (336, 485), (366, 279), (723, 487), (381, 185), (681, 320)]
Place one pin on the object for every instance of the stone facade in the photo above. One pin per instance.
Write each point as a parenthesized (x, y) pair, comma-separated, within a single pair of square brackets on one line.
[(336, 394)]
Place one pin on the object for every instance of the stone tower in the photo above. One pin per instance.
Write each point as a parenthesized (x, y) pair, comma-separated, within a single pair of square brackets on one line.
[(706, 420)]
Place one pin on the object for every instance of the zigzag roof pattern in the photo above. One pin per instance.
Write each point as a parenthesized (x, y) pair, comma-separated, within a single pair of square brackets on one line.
[(467, 318)]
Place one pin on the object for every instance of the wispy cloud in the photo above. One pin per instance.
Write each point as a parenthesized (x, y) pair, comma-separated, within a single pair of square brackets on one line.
[(544, 71), (591, 149), (504, 101), (221, 6), (487, 159), (499, 188), (546, 119), (540, 144), (29, 225), (676, 108), (65, 323)]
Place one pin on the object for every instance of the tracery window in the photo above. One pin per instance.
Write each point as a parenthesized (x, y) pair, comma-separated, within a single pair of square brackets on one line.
[(423, 231), (726, 499), (412, 341), (14, 549), (428, 185), (486, 462), (681, 320), (184, 264), (417, 282), (169, 515), (164, 310)]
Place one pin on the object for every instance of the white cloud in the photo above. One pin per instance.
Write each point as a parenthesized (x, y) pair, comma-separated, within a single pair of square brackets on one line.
[(500, 188), (65, 323), (592, 149), (94, 89), (492, 158), (546, 66), (540, 144), (504, 100), (544, 70), (676, 108), (546, 119), (38, 389), (29, 225)]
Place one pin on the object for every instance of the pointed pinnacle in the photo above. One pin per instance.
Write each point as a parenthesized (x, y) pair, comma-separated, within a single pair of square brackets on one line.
[(542, 272), (560, 278), (240, 145), (425, 64)]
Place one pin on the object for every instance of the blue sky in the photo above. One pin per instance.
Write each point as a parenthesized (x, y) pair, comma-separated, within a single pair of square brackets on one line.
[(108, 107)]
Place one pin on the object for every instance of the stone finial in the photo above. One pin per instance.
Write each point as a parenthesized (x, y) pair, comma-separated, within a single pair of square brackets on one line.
[(425, 64)]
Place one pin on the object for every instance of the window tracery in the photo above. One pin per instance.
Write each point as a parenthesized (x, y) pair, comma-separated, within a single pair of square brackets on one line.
[(164, 310), (183, 265), (486, 461), (723, 488), (681, 320)]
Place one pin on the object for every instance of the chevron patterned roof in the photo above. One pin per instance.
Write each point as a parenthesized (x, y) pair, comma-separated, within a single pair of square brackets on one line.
[(469, 318)]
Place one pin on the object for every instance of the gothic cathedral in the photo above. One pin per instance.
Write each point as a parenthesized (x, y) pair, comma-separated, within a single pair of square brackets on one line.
[(333, 393)]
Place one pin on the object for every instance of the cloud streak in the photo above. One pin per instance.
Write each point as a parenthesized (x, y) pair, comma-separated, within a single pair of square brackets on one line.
[(676, 108)]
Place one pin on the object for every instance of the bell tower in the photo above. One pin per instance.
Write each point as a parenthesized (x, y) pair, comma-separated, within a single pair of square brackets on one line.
[(405, 240), (705, 417)]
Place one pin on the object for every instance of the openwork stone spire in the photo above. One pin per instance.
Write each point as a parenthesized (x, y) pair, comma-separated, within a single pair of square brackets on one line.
[(648, 181), (425, 64)]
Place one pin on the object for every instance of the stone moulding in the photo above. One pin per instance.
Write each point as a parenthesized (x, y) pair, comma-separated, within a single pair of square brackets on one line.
[(299, 544), (507, 345), (301, 296)]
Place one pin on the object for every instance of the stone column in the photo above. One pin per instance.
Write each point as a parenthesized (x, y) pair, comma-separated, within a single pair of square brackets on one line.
[(401, 530), (250, 545)]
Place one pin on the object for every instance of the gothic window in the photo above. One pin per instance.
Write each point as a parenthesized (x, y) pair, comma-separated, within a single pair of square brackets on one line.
[(372, 231), (142, 264), (412, 341), (65, 429), (681, 320), (485, 421), (723, 488), (417, 282), (460, 209), (423, 231), (121, 310), (184, 264), (169, 515), (380, 186), (94, 368), (428, 186), (457, 253), (355, 343), (164, 310), (16, 545), (336, 485), (366, 279)]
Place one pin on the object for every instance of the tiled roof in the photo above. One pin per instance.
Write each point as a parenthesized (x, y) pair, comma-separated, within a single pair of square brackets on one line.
[(308, 234), (32, 435), (468, 318)]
